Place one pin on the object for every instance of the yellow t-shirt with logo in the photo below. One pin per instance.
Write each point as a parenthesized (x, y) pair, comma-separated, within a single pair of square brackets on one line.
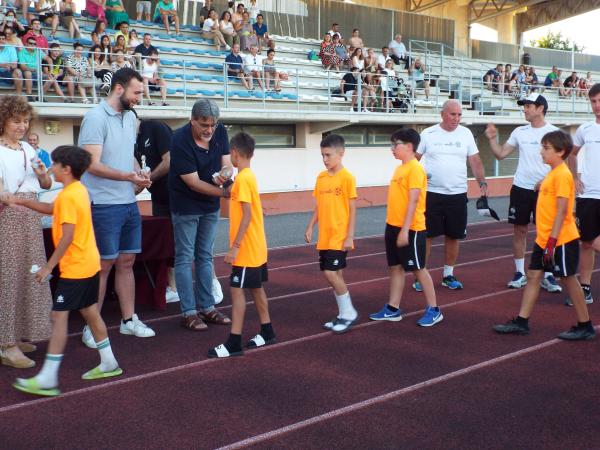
[(333, 194), (558, 183), (73, 206), (406, 177), (253, 248)]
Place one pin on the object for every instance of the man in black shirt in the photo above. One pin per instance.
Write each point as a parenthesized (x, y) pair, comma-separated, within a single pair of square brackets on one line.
[(349, 86), (144, 49)]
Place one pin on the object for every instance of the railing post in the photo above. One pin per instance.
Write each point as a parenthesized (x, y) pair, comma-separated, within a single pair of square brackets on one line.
[(225, 85), (93, 80), (329, 90), (40, 89), (442, 59), (297, 90), (184, 84)]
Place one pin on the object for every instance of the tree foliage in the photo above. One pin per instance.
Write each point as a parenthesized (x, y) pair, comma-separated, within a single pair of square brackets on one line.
[(557, 42)]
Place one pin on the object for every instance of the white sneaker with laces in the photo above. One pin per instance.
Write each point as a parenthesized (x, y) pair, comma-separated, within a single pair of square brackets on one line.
[(136, 328), (171, 295), (550, 284), (217, 291), (87, 338)]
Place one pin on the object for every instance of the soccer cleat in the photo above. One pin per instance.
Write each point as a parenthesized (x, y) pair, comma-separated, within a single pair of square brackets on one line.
[(87, 338), (432, 316), (587, 295), (31, 386), (578, 333), (550, 284), (136, 327), (511, 327), (97, 374), (386, 313), (417, 286), (519, 280), (451, 282)]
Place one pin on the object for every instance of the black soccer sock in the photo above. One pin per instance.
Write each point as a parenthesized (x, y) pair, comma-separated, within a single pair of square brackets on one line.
[(234, 343), (522, 321), (392, 308), (586, 287), (266, 331), (127, 320), (587, 324)]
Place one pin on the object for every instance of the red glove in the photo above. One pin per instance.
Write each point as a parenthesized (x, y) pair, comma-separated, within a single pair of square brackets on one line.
[(549, 254)]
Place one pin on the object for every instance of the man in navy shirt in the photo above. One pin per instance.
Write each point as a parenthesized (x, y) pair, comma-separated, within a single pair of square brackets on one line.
[(235, 66), (260, 28), (198, 150)]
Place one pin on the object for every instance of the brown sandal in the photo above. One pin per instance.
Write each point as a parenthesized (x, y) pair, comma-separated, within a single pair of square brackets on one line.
[(216, 317), (193, 323)]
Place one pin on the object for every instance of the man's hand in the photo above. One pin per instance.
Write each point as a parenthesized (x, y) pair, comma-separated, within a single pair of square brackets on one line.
[(348, 244), (41, 169), (140, 180), (42, 274), (308, 235), (9, 199), (402, 240), (231, 255), (491, 132), (579, 186), (549, 254), (484, 188)]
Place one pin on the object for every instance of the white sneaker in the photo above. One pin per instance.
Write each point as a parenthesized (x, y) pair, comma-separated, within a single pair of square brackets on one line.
[(87, 338), (217, 292), (136, 327), (550, 284), (171, 295), (519, 280)]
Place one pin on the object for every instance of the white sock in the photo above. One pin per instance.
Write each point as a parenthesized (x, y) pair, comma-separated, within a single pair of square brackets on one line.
[(520, 265), (48, 376), (345, 306), (448, 270), (547, 274), (108, 362)]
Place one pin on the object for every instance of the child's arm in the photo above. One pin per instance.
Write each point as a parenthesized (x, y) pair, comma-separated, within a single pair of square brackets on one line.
[(309, 229), (349, 241), (68, 231), (413, 198), (246, 217), (561, 212), (42, 208)]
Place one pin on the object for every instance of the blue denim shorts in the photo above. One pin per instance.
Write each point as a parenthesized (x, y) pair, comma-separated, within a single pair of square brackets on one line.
[(118, 229)]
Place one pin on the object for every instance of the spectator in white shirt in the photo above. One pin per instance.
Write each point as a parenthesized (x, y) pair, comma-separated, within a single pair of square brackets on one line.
[(335, 29), (383, 58), (210, 30), (398, 50), (253, 66)]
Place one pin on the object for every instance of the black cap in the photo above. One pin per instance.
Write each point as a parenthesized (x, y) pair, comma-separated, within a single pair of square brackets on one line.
[(484, 209)]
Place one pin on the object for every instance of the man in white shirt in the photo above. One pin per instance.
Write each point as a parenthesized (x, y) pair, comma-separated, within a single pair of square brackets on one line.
[(398, 51), (531, 170), (447, 148), (335, 29), (383, 58), (253, 66), (587, 185)]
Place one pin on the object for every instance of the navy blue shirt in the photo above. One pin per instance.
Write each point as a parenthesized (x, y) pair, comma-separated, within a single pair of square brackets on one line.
[(188, 157), (234, 63), (260, 30)]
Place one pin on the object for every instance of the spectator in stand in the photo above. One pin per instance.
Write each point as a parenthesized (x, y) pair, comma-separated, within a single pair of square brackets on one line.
[(517, 81), (210, 30), (335, 29), (236, 17), (120, 62), (551, 80), (166, 14), (570, 84), (270, 71), (67, 9), (226, 27), (492, 77), (10, 21), (384, 58), (349, 87), (341, 51), (329, 57), (106, 46), (8, 64), (143, 7), (235, 66), (29, 59), (146, 47), (253, 67), (100, 28), (123, 30), (33, 139), (53, 74), (95, 9), (11, 38), (152, 80), (134, 41), (79, 72), (101, 67), (253, 12), (370, 64), (247, 35), (531, 79), (35, 33), (369, 87), (231, 7), (358, 60), (584, 85), (119, 44), (560, 83), (398, 51), (355, 41), (208, 5), (388, 82), (47, 12), (416, 74), (261, 32)]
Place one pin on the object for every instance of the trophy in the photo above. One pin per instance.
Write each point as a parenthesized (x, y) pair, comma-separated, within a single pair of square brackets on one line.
[(145, 168), (226, 172)]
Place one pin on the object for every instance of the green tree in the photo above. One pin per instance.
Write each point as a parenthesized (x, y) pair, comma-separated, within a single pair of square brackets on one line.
[(556, 41)]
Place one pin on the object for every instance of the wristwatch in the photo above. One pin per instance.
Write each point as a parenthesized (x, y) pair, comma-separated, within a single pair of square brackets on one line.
[(482, 183)]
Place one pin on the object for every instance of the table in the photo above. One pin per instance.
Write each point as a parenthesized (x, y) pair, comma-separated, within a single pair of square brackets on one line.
[(151, 266)]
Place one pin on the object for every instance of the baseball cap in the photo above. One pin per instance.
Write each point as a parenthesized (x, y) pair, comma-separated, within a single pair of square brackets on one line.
[(534, 99), (484, 209)]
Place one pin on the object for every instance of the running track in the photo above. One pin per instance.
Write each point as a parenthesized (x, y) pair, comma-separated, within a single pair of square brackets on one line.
[(383, 385)]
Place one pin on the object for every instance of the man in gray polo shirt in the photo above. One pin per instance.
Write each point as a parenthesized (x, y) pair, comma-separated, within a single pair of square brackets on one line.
[(108, 132)]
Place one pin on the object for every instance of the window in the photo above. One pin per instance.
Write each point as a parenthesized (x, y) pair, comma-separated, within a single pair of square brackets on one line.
[(267, 136)]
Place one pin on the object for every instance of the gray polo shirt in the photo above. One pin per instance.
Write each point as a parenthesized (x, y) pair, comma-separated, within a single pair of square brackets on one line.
[(116, 132)]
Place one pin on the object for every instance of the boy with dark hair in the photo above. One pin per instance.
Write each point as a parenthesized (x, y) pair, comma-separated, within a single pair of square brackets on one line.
[(79, 263), (405, 232), (335, 213), (247, 254), (556, 246)]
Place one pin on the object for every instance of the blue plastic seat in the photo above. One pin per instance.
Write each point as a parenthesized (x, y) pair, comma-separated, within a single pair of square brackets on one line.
[(206, 92)]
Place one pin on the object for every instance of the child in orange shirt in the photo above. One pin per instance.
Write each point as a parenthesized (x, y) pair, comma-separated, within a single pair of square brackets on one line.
[(405, 233), (556, 247), (79, 262), (335, 213), (248, 253)]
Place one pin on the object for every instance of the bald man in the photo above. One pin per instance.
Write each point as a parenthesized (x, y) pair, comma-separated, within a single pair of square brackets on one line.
[(447, 148)]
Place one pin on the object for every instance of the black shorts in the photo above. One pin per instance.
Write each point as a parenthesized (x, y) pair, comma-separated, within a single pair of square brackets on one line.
[(332, 260), (248, 277), (75, 294), (522, 205), (566, 259), (411, 257), (588, 218), (446, 215)]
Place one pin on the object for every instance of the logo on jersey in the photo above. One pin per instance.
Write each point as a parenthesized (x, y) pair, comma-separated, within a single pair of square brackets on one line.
[(337, 191), (147, 143), (60, 299)]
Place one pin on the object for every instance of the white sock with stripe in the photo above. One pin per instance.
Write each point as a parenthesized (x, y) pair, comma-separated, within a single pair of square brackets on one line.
[(548, 274), (48, 376), (448, 270), (520, 265), (108, 361), (345, 307)]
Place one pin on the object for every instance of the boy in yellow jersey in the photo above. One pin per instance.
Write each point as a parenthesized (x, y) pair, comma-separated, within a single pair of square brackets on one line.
[(79, 263), (556, 247), (335, 213), (405, 233), (247, 254)]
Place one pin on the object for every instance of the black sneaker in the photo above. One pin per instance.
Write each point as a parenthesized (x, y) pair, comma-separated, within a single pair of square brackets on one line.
[(578, 333), (511, 327), (587, 295)]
